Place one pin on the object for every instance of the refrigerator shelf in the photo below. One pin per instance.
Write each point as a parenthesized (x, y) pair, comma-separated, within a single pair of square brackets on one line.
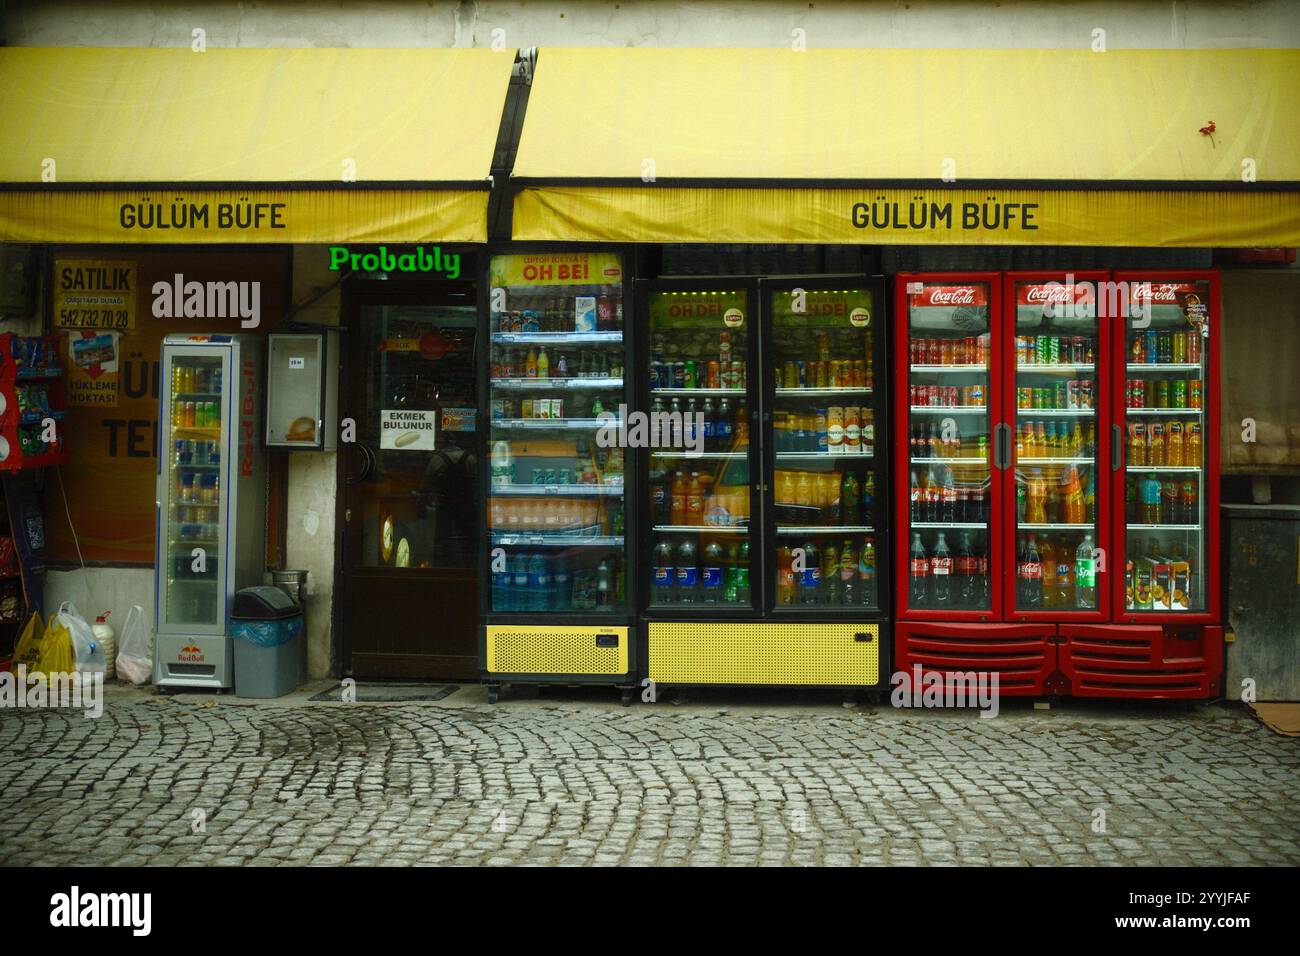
[(1165, 367), (554, 424), (1163, 527), (695, 528), (821, 455), (1058, 368), (1055, 412), (555, 384), (559, 540), (200, 434), (545, 338), (197, 467), (801, 529), (692, 392), (1054, 461), (971, 460), (949, 409), (569, 491), (950, 368), (822, 392), (1055, 526), (972, 525), (1153, 469), (206, 396), (704, 455), (1164, 411)]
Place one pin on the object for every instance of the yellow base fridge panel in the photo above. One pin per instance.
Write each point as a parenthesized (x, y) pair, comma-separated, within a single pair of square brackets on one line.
[(718, 652), (557, 650)]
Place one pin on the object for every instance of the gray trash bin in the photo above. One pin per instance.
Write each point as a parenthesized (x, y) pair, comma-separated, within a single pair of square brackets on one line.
[(266, 626)]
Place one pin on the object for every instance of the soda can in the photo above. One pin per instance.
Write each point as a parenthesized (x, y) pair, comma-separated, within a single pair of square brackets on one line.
[(738, 373), (1054, 349), (1180, 348), (656, 375), (1162, 395), (976, 395), (679, 374), (539, 476), (1061, 397), (1038, 398), (1024, 398), (714, 374), (820, 375), (563, 476), (1152, 347), (1179, 394), (1165, 347), (688, 375), (860, 373), (1072, 393), (1043, 350), (1085, 393), (1194, 393), (1193, 347), (557, 408), (550, 477), (802, 366)]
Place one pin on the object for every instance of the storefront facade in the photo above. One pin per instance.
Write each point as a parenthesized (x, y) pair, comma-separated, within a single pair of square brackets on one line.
[(943, 168)]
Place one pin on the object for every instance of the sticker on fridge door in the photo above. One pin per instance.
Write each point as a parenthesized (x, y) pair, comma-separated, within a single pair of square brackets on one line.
[(459, 419), (404, 430)]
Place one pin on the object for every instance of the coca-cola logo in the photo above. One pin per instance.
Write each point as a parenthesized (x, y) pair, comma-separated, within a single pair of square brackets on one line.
[(1164, 292), (1053, 294), (951, 295)]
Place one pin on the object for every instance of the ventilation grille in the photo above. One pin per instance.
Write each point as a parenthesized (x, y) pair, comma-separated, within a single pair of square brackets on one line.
[(1022, 663), (718, 652), (557, 650), (1133, 664)]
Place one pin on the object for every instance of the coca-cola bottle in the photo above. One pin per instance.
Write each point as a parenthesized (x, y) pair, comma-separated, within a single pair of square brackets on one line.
[(1033, 575), (941, 571), (918, 499), (967, 572), (918, 567), (948, 511)]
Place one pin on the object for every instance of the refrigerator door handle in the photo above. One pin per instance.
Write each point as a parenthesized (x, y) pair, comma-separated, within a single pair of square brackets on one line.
[(1116, 448), (1001, 447)]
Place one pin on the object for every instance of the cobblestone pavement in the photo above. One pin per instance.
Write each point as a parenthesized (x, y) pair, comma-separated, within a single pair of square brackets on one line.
[(577, 779)]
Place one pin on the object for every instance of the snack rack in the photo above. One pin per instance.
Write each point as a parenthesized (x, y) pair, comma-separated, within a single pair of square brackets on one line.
[(32, 402)]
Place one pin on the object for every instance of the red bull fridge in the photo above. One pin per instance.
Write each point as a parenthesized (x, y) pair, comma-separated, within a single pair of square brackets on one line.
[(211, 502)]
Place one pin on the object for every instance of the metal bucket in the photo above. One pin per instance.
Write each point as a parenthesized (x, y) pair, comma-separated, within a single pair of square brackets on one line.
[(292, 583)]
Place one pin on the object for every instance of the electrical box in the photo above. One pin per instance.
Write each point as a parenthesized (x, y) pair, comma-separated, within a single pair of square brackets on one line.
[(302, 391)]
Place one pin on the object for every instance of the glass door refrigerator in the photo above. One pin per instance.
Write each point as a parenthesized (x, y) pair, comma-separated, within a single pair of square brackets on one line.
[(762, 571), (559, 609), (1166, 640), (211, 502), (952, 436)]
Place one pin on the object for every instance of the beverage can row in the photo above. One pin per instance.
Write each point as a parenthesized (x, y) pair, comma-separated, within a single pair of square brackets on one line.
[(1076, 393), (969, 350), (946, 396), (1165, 347), (692, 373), (1152, 393), (1055, 350)]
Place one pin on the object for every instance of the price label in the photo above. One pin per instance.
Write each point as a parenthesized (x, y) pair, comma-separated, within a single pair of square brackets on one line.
[(297, 361)]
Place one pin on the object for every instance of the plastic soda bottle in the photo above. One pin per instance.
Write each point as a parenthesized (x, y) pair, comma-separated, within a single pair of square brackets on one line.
[(1085, 571), (918, 567)]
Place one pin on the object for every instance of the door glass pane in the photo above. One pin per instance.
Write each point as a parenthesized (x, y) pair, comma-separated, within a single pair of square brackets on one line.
[(824, 430), (949, 439), (418, 501), (700, 463), (558, 392), (1055, 451), (193, 516), (1164, 479)]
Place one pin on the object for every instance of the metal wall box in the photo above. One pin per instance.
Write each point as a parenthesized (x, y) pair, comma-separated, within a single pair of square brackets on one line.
[(302, 391)]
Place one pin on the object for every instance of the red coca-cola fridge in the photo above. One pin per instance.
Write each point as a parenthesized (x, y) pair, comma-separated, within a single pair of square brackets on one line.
[(1015, 529)]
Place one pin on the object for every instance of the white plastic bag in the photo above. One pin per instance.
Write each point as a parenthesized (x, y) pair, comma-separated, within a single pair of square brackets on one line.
[(135, 652), (86, 649)]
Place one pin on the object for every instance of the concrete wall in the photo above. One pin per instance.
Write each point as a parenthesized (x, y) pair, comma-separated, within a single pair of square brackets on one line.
[(310, 515), (735, 23)]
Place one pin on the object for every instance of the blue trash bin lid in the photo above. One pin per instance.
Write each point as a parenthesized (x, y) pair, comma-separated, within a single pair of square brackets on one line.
[(263, 603)]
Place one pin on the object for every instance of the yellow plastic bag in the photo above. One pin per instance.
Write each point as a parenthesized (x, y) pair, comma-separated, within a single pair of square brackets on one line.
[(28, 649), (56, 649)]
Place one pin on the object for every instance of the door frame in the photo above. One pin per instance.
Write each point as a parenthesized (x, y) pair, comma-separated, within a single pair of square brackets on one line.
[(355, 295)]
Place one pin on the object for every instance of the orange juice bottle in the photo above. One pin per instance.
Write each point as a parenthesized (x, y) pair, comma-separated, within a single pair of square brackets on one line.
[(1156, 443), (1174, 444), (695, 500), (803, 492), (679, 499), (785, 487)]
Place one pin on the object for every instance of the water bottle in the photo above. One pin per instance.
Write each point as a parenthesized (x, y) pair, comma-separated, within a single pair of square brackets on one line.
[(562, 583), (501, 589), (519, 598)]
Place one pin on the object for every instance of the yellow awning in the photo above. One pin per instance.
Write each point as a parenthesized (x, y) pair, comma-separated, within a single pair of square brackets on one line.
[(245, 145), (651, 145)]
